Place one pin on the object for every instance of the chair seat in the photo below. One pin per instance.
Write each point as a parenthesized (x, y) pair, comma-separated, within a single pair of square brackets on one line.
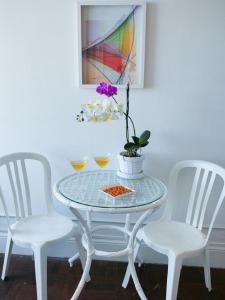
[(167, 236), (42, 229)]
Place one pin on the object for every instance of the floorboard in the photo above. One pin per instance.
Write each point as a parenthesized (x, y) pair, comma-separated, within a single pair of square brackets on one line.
[(106, 281)]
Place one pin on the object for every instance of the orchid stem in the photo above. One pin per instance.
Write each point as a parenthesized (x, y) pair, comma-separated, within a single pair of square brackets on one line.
[(127, 116)]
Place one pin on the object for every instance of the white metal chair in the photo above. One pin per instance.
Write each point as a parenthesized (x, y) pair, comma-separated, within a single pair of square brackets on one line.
[(180, 240), (36, 232)]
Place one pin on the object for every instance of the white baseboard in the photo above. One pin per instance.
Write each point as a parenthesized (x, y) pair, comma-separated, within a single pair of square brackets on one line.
[(115, 242)]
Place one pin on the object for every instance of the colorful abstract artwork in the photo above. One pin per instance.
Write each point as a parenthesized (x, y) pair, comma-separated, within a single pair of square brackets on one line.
[(110, 36)]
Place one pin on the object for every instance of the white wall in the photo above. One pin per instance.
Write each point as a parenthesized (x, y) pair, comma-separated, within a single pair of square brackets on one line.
[(182, 103)]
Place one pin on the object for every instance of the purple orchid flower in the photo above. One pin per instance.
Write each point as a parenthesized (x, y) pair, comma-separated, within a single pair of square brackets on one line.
[(106, 89)]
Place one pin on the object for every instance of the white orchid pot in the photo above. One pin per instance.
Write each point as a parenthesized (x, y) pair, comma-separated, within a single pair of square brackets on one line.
[(130, 167)]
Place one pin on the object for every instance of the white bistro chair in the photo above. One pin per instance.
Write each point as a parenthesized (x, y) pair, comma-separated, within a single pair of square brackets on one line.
[(36, 232), (179, 240)]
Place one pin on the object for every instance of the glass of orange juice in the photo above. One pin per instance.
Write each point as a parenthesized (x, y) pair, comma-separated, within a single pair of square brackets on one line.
[(80, 163), (103, 160)]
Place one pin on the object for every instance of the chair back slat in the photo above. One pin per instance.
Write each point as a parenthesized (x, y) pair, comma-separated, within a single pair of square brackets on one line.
[(27, 188), (202, 190), (19, 189), (13, 188), (196, 212), (16, 169), (206, 200), (192, 196)]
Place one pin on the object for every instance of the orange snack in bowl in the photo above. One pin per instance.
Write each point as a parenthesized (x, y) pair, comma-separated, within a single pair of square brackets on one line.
[(117, 190)]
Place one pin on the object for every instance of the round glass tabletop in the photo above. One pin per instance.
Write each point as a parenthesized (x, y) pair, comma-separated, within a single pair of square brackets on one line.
[(85, 188)]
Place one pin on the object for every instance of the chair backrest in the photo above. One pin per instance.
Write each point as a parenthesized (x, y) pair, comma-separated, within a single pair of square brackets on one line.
[(202, 184), (16, 170)]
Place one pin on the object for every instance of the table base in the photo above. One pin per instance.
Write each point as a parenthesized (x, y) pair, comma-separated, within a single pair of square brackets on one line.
[(130, 250)]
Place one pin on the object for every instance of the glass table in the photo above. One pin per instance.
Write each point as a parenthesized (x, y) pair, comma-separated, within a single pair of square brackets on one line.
[(82, 191)]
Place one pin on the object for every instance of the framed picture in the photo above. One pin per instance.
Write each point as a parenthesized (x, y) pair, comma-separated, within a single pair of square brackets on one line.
[(111, 41)]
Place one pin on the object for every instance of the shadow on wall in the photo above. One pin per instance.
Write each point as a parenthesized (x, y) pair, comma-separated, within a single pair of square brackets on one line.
[(157, 165), (150, 46)]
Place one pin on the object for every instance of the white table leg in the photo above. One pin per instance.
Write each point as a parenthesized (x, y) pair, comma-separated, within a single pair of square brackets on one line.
[(88, 216), (131, 254), (127, 226), (72, 259), (131, 251), (83, 278), (127, 275), (90, 252), (135, 278)]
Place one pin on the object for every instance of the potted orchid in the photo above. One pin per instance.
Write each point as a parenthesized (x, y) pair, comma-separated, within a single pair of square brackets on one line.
[(131, 158)]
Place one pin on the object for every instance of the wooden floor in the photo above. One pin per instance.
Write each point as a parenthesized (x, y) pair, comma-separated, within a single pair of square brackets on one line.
[(106, 282)]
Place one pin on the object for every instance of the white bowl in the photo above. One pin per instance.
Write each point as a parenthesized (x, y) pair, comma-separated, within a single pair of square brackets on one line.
[(119, 196)]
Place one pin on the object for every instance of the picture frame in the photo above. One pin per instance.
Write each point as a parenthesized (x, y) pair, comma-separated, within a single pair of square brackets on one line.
[(111, 42)]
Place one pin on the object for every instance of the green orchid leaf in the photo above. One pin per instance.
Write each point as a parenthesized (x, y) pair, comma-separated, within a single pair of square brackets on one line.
[(130, 146), (144, 144), (136, 140), (144, 136)]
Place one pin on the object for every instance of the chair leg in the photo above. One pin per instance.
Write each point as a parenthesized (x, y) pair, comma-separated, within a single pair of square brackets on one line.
[(82, 254), (207, 273), (8, 251), (173, 276), (40, 261), (128, 274)]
